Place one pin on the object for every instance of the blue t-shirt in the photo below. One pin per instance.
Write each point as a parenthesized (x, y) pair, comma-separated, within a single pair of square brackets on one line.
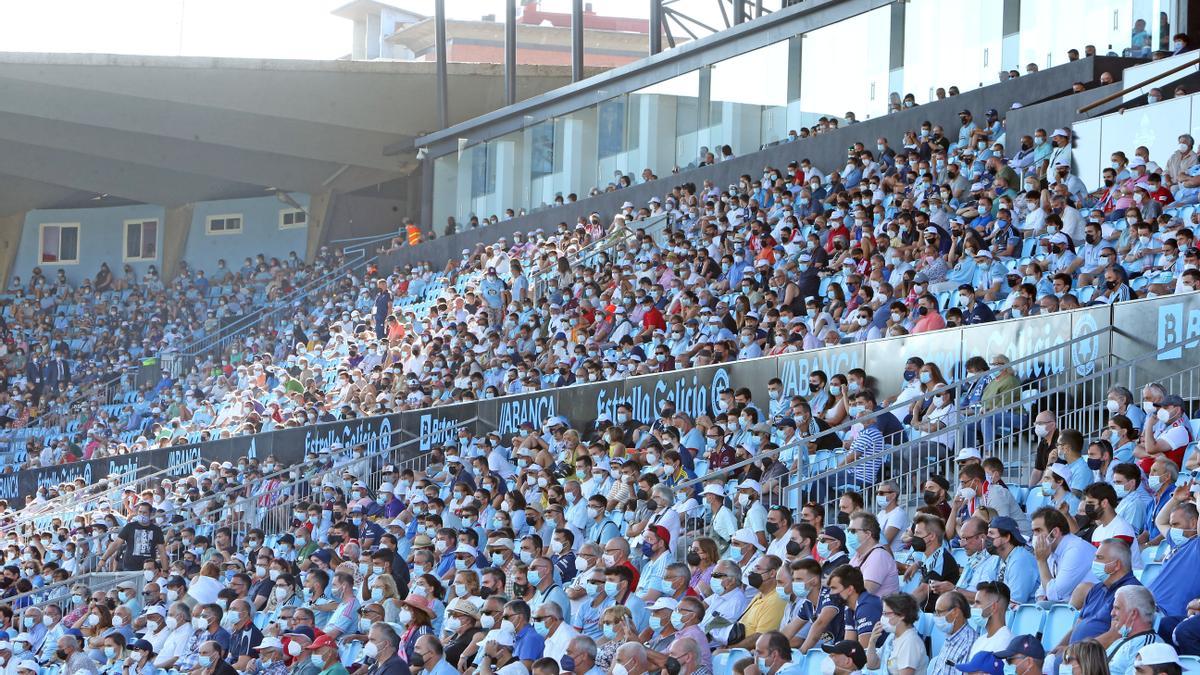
[(862, 619), (1178, 583), (529, 645), (1096, 615)]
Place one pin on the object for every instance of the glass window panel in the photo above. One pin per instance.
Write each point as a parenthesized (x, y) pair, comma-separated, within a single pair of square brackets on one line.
[(446, 199), (50, 244), (859, 45), (976, 46), (68, 247), (662, 123), (150, 238), (133, 240), (1107, 24), (748, 99), (1157, 127), (612, 127)]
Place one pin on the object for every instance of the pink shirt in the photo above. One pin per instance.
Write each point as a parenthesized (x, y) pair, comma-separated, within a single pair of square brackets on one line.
[(878, 565)]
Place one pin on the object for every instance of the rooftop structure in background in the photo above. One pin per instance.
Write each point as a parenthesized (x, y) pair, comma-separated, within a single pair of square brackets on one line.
[(382, 31)]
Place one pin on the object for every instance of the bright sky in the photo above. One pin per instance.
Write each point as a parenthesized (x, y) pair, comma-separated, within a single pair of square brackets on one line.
[(286, 29)]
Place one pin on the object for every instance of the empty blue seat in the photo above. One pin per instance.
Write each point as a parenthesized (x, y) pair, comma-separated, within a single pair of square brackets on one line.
[(1059, 619), (1027, 620), (1149, 573)]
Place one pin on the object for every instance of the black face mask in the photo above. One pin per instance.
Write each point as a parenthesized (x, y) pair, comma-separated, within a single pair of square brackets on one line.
[(334, 540), (930, 497), (520, 589), (793, 548), (1091, 511), (693, 559), (990, 546), (814, 388), (1094, 463), (642, 495), (416, 661), (917, 544), (772, 528), (843, 518), (754, 579)]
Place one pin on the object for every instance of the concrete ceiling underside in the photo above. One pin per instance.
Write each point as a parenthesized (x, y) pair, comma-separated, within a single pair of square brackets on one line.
[(171, 131)]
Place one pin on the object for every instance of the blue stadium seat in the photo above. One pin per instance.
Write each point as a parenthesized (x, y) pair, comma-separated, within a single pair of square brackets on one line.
[(723, 663), (1149, 573), (813, 661), (1059, 619), (1020, 492), (1027, 620)]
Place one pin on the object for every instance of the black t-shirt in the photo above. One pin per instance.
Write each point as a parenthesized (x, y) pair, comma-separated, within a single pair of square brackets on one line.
[(141, 544), (1041, 455), (457, 646), (243, 642)]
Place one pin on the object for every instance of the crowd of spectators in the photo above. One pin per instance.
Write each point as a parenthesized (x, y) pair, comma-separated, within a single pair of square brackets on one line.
[(599, 551), (634, 546), (948, 228), (63, 347)]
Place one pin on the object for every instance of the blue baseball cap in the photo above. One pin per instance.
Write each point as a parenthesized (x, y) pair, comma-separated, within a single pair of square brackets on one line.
[(1023, 645), (1009, 526), (983, 662)]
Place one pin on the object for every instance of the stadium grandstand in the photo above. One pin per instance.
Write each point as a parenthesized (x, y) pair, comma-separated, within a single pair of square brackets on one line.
[(819, 343)]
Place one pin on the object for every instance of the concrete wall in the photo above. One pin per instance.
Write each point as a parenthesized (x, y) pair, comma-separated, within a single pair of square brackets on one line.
[(1054, 113), (102, 237), (260, 233), (827, 151)]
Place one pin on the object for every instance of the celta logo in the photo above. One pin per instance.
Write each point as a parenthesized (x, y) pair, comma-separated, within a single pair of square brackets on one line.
[(1174, 326), (1085, 352)]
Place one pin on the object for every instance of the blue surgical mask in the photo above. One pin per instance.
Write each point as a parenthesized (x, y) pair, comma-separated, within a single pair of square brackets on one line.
[(1177, 536), (852, 542)]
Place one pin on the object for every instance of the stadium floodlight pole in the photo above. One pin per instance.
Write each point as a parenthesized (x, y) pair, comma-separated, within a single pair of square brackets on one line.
[(510, 52), (656, 12), (576, 40), (739, 12), (443, 78)]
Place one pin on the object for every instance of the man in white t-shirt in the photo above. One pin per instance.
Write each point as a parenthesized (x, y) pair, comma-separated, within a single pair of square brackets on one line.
[(988, 617), (893, 518), (1100, 504)]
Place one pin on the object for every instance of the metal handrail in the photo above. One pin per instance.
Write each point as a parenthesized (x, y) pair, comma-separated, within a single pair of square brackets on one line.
[(39, 421), (845, 426), (1112, 97), (246, 321), (92, 580), (248, 501), (1110, 370), (69, 503)]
